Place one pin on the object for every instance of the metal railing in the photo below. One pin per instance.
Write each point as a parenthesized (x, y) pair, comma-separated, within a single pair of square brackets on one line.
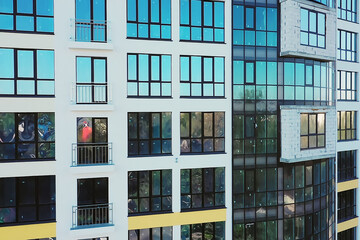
[(91, 153), (87, 30), (91, 93), (97, 214)]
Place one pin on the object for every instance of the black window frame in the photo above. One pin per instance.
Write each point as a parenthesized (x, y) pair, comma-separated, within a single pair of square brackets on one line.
[(347, 85), (343, 13), (317, 134), (208, 198), (347, 165), (188, 141), (150, 80), (349, 131), (150, 139), (150, 233), (135, 199), (202, 25), (346, 205), (203, 82), (209, 228), (92, 182), (34, 15), (37, 208), (35, 71), (349, 234), (350, 52), (308, 32)]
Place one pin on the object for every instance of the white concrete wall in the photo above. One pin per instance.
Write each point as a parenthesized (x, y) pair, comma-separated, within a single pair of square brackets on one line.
[(66, 114)]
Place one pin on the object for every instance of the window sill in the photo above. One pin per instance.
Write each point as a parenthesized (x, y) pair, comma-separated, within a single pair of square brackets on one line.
[(201, 153), (91, 45), (148, 156), (92, 107)]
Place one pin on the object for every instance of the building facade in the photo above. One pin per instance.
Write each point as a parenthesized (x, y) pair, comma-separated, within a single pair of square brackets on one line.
[(178, 119)]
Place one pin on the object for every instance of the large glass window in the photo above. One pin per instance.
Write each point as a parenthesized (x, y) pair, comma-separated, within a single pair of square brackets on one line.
[(312, 28), (92, 191), (163, 233), (346, 86), (27, 16), (346, 46), (27, 199), (254, 26), (349, 234), (26, 72), (346, 165), (346, 125), (202, 188), (91, 80), (202, 76), (149, 191), (346, 205), (202, 132), (347, 10), (27, 136), (149, 133), (90, 22), (312, 130), (202, 20), (149, 75), (149, 19), (214, 230)]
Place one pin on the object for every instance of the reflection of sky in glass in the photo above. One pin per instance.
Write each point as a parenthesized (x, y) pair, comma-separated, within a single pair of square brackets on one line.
[(83, 9), (45, 7), (25, 64), (131, 4), (6, 63), (166, 68), (143, 67), (99, 70), (143, 11), (155, 11), (166, 11), (196, 69), (99, 9), (83, 69), (45, 64), (155, 68), (25, 6), (6, 6)]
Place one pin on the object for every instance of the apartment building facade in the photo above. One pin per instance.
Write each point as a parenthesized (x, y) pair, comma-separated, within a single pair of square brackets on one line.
[(186, 119)]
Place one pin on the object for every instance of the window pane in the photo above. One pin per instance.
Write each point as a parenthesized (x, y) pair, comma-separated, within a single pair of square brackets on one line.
[(45, 64), (83, 70), (7, 63), (26, 64)]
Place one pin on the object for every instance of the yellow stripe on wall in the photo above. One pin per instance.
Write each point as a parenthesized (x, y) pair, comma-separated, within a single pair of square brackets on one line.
[(343, 226), (24, 232), (347, 185), (174, 219)]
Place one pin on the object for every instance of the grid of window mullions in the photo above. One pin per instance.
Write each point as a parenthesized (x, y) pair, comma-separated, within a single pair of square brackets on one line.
[(346, 85), (17, 78), (346, 205), (347, 47), (203, 193), (316, 134), (346, 131), (346, 165), (204, 230), (203, 82), (202, 24), (149, 23), (150, 233), (316, 31), (151, 80), (203, 138), (150, 196), (347, 10)]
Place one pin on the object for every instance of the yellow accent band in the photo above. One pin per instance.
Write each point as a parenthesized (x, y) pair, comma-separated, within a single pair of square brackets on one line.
[(347, 185), (174, 219), (343, 226), (24, 232)]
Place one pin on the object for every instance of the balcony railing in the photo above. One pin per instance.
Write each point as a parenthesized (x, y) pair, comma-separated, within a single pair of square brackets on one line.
[(91, 153), (87, 30), (90, 215), (90, 93)]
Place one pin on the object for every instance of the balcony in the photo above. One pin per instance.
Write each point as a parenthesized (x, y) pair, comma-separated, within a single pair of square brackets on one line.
[(87, 30), (90, 93), (84, 154), (92, 215)]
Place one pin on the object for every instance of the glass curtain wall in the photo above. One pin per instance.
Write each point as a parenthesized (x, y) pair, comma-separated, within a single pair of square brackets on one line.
[(274, 200)]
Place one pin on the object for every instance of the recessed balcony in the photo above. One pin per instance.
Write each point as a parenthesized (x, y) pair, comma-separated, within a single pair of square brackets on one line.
[(85, 154), (96, 215)]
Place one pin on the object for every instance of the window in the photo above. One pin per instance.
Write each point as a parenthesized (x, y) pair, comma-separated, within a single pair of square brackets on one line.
[(92, 141), (149, 191), (90, 22), (149, 75), (27, 16), (347, 10), (346, 165), (202, 76), (202, 132), (202, 20), (312, 28), (91, 80), (27, 199), (346, 205), (149, 19), (214, 230), (149, 133), (26, 72), (346, 125), (349, 234), (312, 129), (27, 136), (202, 188), (254, 26), (346, 86), (346, 46), (163, 233)]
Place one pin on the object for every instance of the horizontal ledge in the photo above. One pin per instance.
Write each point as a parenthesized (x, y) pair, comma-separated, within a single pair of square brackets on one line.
[(92, 107), (343, 226), (303, 159), (347, 185), (31, 231)]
